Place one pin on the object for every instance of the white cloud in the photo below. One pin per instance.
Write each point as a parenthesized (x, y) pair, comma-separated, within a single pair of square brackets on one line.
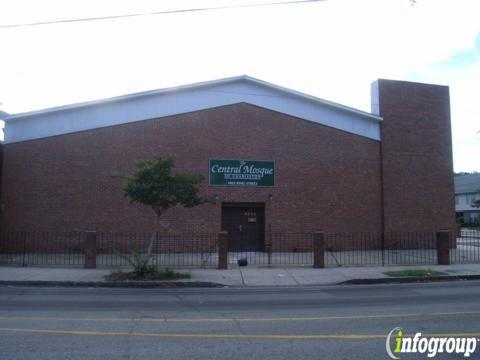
[(332, 49)]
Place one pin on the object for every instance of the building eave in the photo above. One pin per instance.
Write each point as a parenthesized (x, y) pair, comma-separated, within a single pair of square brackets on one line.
[(198, 85), (184, 99)]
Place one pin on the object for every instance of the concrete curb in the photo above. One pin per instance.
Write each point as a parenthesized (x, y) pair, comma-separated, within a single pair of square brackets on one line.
[(207, 284), (115, 284), (410, 279)]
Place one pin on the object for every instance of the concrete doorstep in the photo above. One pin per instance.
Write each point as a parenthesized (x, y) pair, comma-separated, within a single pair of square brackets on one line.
[(238, 277)]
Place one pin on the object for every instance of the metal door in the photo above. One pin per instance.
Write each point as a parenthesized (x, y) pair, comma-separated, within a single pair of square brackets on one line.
[(245, 225)]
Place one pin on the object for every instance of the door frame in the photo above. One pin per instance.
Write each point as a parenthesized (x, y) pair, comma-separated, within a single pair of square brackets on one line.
[(259, 205)]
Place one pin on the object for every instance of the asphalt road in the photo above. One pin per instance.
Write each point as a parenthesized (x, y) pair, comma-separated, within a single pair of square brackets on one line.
[(338, 322)]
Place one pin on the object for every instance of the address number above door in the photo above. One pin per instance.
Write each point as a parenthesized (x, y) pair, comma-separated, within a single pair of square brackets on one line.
[(241, 172)]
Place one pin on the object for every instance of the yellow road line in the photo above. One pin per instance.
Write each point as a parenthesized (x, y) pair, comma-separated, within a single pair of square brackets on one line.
[(194, 320), (222, 336), (195, 336)]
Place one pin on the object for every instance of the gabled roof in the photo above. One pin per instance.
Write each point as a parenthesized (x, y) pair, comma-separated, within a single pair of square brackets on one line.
[(198, 85), (182, 99), (465, 184)]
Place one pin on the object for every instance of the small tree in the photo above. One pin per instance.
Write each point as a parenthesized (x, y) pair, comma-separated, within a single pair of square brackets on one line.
[(153, 184)]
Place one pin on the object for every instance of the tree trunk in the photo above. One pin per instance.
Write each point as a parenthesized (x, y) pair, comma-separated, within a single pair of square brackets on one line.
[(154, 234)]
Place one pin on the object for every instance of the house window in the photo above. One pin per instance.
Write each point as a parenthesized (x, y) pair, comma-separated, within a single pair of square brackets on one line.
[(471, 198)]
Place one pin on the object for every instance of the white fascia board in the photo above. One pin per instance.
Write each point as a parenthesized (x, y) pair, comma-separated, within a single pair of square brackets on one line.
[(184, 99), (313, 98)]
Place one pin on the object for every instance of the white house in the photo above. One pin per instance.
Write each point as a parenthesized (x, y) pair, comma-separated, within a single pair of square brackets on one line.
[(467, 191)]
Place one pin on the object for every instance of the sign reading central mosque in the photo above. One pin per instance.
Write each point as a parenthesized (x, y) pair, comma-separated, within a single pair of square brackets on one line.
[(241, 172)]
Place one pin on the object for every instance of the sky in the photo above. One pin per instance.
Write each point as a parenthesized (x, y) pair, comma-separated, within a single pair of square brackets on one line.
[(332, 49)]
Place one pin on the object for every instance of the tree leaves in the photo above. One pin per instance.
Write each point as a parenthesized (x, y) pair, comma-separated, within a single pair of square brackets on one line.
[(153, 184)]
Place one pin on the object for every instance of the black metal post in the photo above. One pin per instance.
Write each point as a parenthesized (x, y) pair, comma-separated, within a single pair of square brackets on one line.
[(24, 248), (383, 248), (269, 244)]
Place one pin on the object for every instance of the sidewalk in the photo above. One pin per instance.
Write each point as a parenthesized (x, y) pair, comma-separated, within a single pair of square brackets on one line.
[(247, 276)]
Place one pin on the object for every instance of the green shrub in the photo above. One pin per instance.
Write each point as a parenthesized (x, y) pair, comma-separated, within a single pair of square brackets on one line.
[(157, 274), (139, 261), (414, 272)]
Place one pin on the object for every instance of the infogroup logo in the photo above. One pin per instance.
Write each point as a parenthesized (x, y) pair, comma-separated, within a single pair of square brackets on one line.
[(428, 344)]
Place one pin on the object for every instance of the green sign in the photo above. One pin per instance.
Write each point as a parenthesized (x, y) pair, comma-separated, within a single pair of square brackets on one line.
[(241, 172)]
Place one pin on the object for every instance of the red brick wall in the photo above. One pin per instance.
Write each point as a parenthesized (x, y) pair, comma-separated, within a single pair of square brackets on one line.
[(325, 178), (417, 156)]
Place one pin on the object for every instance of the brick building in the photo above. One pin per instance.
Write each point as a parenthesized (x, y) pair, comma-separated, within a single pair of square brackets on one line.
[(296, 162)]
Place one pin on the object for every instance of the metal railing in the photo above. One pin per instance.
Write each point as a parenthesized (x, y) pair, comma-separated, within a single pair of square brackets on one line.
[(377, 249), (24, 248), (166, 249), (112, 249), (342, 249), (281, 248), (467, 247), (42, 248)]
